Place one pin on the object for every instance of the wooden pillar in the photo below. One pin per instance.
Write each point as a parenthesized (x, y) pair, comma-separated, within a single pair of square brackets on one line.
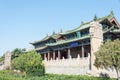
[(53, 55), (76, 52), (48, 55), (69, 54), (59, 54), (83, 51)]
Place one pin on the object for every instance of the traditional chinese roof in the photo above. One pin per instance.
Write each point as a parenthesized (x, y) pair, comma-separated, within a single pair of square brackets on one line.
[(68, 41), (116, 31), (62, 42), (81, 27), (87, 24), (54, 36), (41, 48)]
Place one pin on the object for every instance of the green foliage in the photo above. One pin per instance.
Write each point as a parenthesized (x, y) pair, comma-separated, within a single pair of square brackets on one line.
[(37, 70), (108, 55), (16, 52), (9, 75), (2, 59), (30, 62)]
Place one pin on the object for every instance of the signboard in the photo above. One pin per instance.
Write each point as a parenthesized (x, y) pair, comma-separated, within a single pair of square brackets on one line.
[(74, 44)]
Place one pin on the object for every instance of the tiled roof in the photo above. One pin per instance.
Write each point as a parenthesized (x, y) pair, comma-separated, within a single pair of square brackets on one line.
[(68, 41), (62, 42), (87, 24), (116, 31), (41, 48), (54, 36), (81, 27)]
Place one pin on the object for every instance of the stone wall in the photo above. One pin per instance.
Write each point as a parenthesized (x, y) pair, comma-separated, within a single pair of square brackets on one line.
[(106, 73), (74, 66), (96, 39), (7, 61)]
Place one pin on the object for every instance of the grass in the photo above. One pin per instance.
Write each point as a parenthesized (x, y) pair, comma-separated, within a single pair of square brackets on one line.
[(10, 75)]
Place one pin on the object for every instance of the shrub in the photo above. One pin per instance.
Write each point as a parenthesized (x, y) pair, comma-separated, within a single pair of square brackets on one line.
[(30, 63)]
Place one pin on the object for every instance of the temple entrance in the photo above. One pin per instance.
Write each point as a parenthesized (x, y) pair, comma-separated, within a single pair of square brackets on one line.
[(56, 55), (74, 52), (63, 54), (87, 50), (82, 51)]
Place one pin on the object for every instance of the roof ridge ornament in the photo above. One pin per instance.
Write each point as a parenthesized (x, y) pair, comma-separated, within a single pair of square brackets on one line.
[(53, 32), (61, 30), (82, 22), (112, 13), (47, 35), (95, 18)]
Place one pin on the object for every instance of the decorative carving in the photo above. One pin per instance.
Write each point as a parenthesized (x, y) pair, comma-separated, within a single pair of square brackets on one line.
[(95, 18)]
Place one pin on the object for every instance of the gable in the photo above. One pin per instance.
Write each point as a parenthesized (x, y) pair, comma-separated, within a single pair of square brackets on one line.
[(115, 22)]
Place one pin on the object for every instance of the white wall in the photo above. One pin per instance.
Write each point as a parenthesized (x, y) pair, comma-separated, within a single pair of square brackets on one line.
[(67, 66)]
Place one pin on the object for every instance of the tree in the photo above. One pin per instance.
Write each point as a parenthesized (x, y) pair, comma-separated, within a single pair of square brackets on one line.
[(2, 58), (30, 62), (16, 52), (108, 56)]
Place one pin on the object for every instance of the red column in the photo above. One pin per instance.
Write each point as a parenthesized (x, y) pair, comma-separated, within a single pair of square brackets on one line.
[(58, 54), (76, 52), (54, 55), (44, 56), (48, 55), (83, 51), (69, 55)]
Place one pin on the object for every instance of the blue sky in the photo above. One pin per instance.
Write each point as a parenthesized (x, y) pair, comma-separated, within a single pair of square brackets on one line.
[(25, 21)]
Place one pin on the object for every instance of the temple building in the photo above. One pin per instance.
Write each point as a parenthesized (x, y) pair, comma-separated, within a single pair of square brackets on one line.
[(61, 49)]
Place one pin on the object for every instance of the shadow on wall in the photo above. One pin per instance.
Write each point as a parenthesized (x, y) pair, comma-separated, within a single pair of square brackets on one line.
[(104, 75)]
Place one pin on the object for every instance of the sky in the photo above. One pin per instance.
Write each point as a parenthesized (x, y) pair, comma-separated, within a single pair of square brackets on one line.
[(26, 21)]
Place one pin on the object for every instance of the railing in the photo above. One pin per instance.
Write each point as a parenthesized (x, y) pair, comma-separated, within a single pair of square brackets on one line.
[(67, 66), (67, 62)]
